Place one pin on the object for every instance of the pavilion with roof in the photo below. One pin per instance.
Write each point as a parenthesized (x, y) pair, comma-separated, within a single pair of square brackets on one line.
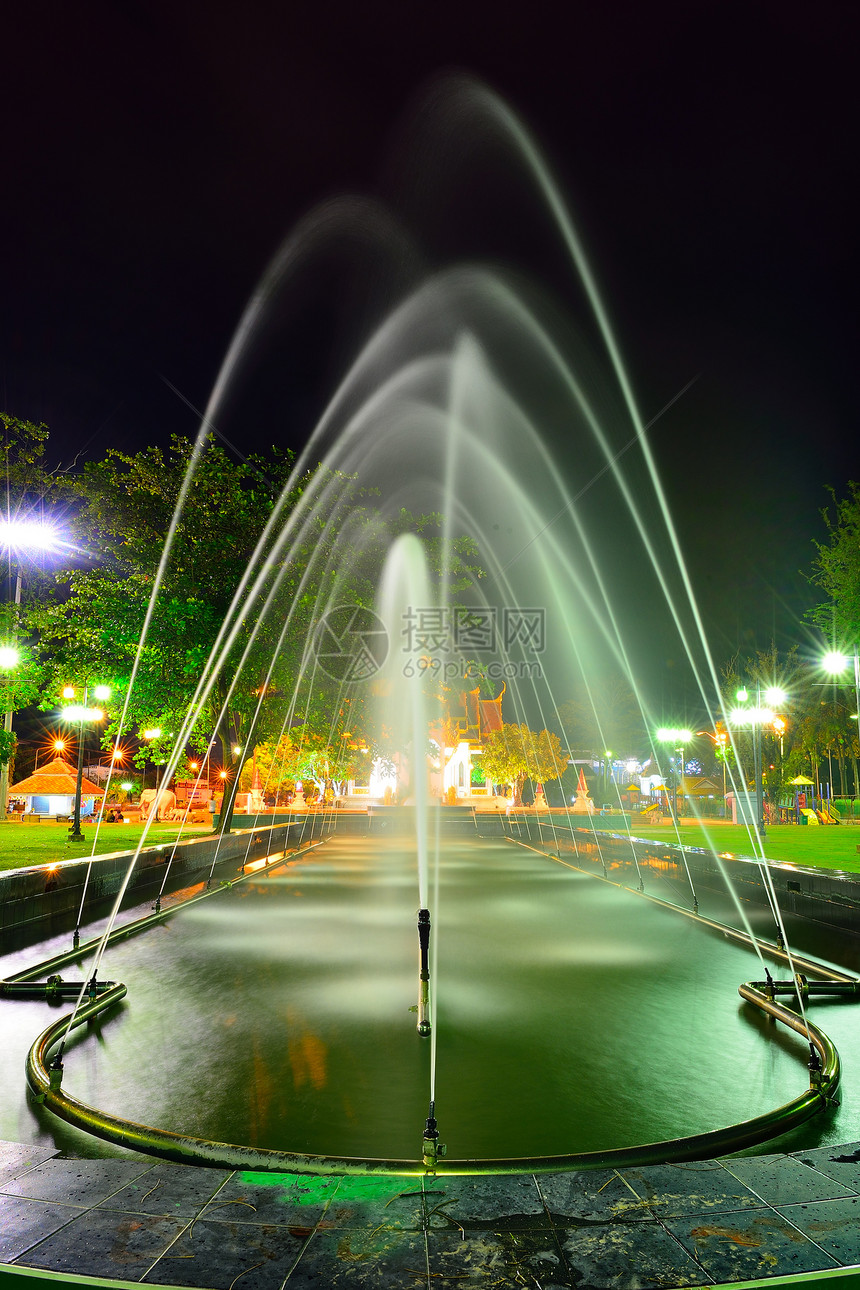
[(50, 790)]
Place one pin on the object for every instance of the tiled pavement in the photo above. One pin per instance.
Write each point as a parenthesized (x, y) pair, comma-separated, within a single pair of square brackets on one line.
[(140, 1220)]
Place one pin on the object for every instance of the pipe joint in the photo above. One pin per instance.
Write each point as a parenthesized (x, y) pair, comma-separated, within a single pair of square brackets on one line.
[(815, 1071)]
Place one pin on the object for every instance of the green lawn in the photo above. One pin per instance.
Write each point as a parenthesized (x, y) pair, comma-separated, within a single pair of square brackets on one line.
[(22, 845), (825, 847)]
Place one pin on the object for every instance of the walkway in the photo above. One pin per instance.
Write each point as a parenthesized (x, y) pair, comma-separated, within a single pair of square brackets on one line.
[(139, 1220)]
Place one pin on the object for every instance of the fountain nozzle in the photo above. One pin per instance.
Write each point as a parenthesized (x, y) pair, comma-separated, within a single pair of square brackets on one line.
[(816, 1075), (431, 1149), (424, 1026), (424, 939)]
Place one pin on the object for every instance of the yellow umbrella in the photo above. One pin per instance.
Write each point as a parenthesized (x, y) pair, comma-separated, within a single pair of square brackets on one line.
[(801, 779)]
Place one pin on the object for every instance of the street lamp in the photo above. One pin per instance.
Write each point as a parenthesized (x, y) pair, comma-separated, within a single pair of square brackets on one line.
[(835, 664), (83, 715), (678, 739), (755, 718), (9, 659)]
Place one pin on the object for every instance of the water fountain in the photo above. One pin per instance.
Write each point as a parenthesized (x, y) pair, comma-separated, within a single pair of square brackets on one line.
[(448, 409)]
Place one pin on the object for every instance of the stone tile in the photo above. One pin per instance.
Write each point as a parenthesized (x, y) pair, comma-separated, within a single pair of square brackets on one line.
[(627, 1256), (77, 1182), (747, 1244), (593, 1195), (497, 1259), (26, 1222), (106, 1243), (833, 1224), (381, 1202), (785, 1180), (215, 1254), (696, 1187), (501, 1202), (16, 1158), (278, 1198), (377, 1259), (841, 1163), (179, 1191)]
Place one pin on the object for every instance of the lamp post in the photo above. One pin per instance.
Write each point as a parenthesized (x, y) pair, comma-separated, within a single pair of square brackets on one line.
[(83, 715), (9, 659), (679, 740), (755, 718), (17, 538)]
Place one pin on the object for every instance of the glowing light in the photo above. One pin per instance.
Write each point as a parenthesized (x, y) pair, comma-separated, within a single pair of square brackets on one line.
[(59, 745), (774, 696), (669, 735), (222, 774), (237, 748), (77, 712), (9, 657), (834, 662), (193, 765), (118, 754), (28, 535), (68, 691), (126, 787), (742, 695), (101, 692), (153, 733)]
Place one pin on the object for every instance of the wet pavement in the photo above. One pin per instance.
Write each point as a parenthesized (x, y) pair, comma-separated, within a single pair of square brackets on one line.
[(141, 1220)]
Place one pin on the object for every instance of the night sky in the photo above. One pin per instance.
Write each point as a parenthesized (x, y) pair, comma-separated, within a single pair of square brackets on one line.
[(156, 154)]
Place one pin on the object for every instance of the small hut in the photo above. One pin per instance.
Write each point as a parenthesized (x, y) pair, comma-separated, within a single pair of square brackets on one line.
[(50, 790)]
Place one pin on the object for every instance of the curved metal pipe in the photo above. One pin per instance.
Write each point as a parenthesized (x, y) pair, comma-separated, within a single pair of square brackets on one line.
[(185, 1149)]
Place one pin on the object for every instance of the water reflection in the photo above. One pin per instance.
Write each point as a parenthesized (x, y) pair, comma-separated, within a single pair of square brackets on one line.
[(571, 1016)]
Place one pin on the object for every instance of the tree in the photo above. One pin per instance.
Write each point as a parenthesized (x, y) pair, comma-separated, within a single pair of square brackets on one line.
[(513, 754), (262, 682), (836, 569), (30, 498)]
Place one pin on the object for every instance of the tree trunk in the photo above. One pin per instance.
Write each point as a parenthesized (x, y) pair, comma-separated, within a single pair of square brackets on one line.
[(232, 787)]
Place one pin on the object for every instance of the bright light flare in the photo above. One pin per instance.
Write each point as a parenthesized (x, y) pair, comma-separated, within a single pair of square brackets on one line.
[(834, 662), (28, 535), (77, 712), (153, 733), (669, 735), (9, 657)]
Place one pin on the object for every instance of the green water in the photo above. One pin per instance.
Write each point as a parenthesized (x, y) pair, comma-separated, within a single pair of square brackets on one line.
[(570, 1016)]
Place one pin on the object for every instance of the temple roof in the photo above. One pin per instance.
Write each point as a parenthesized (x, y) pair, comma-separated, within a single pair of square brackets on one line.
[(55, 778)]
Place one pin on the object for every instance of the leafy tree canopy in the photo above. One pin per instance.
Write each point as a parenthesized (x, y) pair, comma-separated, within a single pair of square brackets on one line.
[(513, 754), (836, 569), (90, 628)]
